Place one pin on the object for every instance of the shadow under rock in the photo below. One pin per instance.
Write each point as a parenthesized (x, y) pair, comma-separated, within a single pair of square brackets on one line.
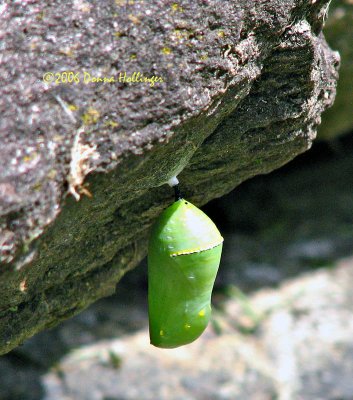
[(296, 219)]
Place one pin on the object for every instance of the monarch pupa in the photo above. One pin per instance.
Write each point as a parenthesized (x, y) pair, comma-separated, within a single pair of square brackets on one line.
[(183, 257)]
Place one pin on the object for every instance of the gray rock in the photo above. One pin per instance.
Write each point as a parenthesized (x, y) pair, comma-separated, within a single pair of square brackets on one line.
[(243, 89), (309, 336), (339, 32)]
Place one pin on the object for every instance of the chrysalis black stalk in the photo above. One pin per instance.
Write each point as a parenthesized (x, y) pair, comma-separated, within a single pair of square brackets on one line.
[(177, 193)]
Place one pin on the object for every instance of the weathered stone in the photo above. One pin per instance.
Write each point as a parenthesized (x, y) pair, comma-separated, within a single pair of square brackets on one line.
[(244, 86), (339, 33)]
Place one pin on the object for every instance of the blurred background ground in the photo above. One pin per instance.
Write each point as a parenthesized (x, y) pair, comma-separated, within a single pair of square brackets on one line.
[(282, 324)]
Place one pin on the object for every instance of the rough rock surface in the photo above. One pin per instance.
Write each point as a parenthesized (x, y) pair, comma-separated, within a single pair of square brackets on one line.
[(244, 85), (339, 33)]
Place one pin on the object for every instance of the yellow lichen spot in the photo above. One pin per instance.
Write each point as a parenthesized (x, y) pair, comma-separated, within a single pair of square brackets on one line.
[(221, 34), (33, 45), (83, 7), (187, 326), (177, 7), (166, 50), (72, 107), (180, 34), (133, 56), (204, 57), (57, 138), (37, 186), (134, 19), (40, 15), (112, 124), (120, 3), (161, 333), (90, 117), (118, 34), (30, 157), (202, 313), (52, 174), (67, 51), (86, 8)]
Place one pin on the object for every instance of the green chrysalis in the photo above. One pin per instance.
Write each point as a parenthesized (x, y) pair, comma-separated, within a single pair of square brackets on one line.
[(183, 258)]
